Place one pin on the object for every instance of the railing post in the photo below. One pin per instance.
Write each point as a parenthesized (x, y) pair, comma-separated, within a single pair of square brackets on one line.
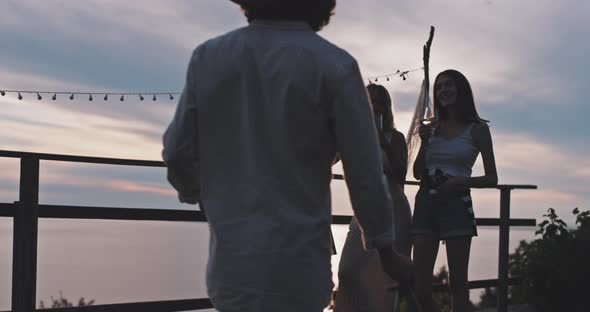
[(24, 258), (504, 249)]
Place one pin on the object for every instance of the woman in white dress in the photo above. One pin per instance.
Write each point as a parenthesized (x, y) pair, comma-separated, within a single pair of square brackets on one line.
[(363, 285)]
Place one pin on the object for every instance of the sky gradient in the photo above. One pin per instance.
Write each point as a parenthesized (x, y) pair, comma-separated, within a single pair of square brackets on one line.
[(525, 61)]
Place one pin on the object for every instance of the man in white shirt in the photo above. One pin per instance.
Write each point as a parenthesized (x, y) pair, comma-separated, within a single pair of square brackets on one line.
[(263, 113)]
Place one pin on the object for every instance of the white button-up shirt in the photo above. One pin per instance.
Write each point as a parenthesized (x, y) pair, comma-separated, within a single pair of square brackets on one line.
[(264, 111)]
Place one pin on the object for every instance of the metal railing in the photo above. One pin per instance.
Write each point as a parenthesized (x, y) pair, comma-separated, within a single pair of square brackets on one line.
[(27, 211)]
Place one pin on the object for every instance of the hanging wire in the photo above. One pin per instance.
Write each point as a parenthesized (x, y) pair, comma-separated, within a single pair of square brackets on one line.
[(72, 94), (401, 74), (171, 95)]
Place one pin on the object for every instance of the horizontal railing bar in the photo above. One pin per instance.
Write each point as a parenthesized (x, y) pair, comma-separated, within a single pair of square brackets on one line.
[(499, 186), (7, 210), (84, 159), (155, 163), (516, 187), (112, 213), (142, 214), (478, 284), (512, 222), (164, 306), (339, 219), (201, 304)]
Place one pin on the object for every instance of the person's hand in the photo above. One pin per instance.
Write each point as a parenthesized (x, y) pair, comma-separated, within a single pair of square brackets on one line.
[(455, 185), (425, 131), (397, 266)]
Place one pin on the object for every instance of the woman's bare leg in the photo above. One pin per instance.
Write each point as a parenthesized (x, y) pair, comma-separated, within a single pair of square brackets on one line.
[(425, 252), (458, 259)]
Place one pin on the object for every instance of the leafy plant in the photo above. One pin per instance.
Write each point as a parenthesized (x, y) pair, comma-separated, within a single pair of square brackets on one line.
[(62, 302), (555, 268)]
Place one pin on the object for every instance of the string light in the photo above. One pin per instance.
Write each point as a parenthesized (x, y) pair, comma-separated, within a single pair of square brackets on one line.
[(404, 75)]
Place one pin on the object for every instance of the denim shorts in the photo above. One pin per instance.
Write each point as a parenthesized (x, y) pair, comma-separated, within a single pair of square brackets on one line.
[(443, 215)]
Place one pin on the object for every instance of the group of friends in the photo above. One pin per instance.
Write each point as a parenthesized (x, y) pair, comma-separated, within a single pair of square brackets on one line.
[(266, 111)]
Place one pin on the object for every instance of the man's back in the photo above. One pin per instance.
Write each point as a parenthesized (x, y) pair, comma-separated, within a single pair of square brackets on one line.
[(274, 103)]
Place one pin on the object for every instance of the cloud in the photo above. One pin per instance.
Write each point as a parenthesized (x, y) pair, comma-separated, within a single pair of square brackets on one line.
[(525, 61), (136, 187)]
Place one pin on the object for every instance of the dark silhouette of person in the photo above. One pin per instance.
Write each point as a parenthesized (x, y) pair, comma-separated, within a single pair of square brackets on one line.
[(264, 111)]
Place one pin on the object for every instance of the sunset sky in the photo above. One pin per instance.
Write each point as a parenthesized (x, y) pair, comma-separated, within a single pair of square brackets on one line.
[(526, 61)]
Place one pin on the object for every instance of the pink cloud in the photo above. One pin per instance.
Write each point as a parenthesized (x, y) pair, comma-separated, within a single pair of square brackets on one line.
[(129, 186)]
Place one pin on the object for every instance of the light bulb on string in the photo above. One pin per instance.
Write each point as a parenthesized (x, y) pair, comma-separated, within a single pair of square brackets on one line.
[(171, 97), (90, 98), (106, 97), (122, 98), (54, 97), (20, 97), (72, 97), (154, 98), (39, 96), (141, 97), (2, 93), (387, 78)]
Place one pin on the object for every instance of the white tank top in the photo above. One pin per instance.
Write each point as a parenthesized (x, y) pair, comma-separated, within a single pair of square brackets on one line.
[(454, 157)]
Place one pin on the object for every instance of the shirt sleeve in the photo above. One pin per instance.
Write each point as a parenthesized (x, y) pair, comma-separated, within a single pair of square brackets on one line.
[(181, 146), (357, 143)]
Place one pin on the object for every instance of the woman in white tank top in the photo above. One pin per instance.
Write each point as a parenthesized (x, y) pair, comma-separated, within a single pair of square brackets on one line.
[(443, 210)]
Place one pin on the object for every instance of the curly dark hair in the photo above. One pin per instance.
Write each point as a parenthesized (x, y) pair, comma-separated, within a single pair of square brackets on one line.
[(316, 13)]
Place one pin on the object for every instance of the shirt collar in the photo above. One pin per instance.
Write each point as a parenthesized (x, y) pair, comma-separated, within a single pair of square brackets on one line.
[(284, 25)]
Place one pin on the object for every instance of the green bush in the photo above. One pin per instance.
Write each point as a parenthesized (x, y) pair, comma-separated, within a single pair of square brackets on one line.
[(62, 302), (555, 269)]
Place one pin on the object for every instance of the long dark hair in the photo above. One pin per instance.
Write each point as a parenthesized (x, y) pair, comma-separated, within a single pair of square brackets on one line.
[(381, 101), (464, 105), (316, 13)]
